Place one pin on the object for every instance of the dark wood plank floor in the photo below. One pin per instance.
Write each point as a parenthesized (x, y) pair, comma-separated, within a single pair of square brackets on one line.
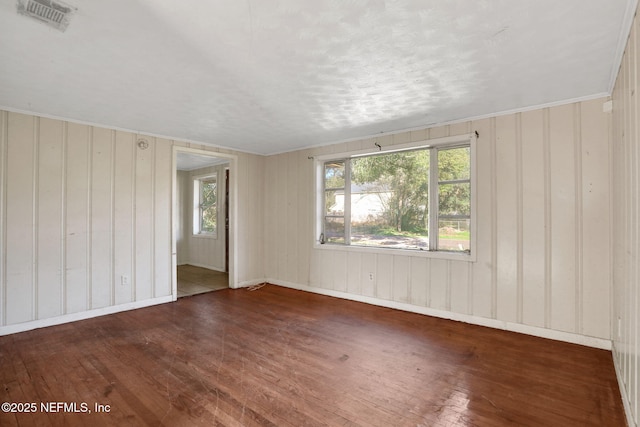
[(279, 357)]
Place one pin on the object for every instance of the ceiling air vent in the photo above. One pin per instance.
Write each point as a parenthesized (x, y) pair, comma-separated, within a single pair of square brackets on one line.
[(54, 13)]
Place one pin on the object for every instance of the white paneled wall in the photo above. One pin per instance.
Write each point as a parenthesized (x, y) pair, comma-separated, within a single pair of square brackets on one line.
[(543, 219), (626, 223), (81, 207), (79, 210)]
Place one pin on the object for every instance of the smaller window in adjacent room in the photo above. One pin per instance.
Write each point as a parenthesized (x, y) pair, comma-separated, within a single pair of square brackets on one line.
[(205, 205), (414, 197)]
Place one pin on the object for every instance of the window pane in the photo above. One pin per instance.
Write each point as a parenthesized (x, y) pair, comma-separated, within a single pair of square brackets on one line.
[(334, 174), (390, 199), (209, 193), (454, 235), (334, 202), (454, 164), (334, 230), (209, 215), (455, 199)]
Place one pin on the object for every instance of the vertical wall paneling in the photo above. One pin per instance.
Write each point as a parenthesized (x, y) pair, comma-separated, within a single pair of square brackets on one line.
[(483, 267), (19, 209), (420, 282), (162, 218), (439, 276), (628, 278), (548, 225), (596, 237), (578, 209), (494, 217), (626, 198), (270, 206), (34, 216), (152, 220), (633, 223), (123, 221), (459, 285), (3, 215), (519, 221), (254, 188), (181, 210), (326, 272), (143, 220), (369, 274), (505, 219), (401, 286), (292, 218), (101, 221), (534, 208), (89, 286), (384, 279), (241, 171), (77, 234), (282, 214), (49, 217), (354, 273), (625, 238), (63, 218), (629, 143), (305, 215), (563, 213), (339, 268), (112, 204)]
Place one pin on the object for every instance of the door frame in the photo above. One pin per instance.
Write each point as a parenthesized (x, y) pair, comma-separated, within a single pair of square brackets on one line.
[(233, 229)]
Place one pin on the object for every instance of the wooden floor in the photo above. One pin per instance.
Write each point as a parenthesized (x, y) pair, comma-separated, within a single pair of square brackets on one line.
[(280, 357), (197, 280)]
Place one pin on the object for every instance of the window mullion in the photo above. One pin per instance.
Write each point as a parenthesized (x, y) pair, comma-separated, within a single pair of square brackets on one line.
[(433, 199), (200, 200), (347, 202)]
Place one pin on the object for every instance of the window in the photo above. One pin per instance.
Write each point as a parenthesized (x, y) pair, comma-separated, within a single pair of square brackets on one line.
[(417, 197), (205, 205)]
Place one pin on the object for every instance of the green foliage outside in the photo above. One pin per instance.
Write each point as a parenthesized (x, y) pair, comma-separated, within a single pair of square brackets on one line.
[(209, 206), (404, 176), (455, 198)]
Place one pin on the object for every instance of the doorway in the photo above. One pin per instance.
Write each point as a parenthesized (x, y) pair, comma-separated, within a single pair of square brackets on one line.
[(203, 232)]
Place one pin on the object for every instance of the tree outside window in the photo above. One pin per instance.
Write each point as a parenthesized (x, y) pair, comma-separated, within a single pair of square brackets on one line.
[(205, 191), (416, 199)]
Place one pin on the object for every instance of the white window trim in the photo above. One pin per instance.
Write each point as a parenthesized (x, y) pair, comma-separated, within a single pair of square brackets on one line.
[(470, 139), (196, 230)]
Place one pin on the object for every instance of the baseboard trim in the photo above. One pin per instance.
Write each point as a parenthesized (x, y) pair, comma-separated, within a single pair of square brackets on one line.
[(466, 318), (623, 391), (73, 317)]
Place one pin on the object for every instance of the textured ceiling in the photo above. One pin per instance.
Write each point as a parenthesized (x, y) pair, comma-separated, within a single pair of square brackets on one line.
[(189, 162), (268, 76)]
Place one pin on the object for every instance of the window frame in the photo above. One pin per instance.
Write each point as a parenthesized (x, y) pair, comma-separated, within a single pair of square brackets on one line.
[(436, 144), (197, 182)]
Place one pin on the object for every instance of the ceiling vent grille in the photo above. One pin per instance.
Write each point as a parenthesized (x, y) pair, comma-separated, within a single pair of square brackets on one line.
[(55, 14)]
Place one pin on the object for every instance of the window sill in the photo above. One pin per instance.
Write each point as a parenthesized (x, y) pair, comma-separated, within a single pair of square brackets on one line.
[(452, 256)]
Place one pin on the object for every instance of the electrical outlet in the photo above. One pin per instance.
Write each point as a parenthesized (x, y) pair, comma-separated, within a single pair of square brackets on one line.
[(124, 280), (371, 277)]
